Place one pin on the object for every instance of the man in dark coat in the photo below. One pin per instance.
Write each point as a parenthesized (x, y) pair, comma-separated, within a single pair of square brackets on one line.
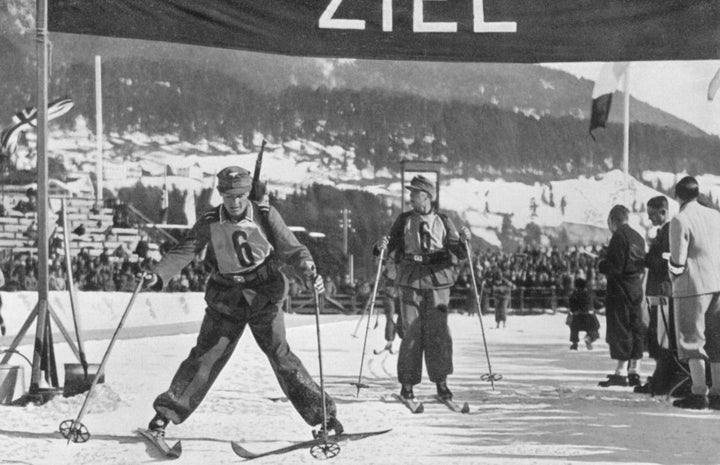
[(658, 290), (246, 247), (623, 266)]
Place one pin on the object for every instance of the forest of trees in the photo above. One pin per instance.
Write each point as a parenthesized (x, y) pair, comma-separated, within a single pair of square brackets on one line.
[(382, 127)]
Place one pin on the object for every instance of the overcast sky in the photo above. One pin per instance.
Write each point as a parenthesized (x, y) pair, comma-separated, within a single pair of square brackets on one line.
[(678, 87)]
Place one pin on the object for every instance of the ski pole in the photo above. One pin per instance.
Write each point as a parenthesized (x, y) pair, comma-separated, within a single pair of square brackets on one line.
[(359, 383), (71, 288), (487, 376), (362, 317), (74, 430), (326, 449)]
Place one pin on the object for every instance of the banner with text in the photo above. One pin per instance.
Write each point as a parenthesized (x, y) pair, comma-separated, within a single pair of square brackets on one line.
[(526, 31)]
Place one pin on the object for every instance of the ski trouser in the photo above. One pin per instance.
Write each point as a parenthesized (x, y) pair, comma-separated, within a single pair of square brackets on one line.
[(216, 341), (426, 331)]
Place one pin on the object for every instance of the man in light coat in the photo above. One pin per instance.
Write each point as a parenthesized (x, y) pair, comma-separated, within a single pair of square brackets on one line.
[(695, 274)]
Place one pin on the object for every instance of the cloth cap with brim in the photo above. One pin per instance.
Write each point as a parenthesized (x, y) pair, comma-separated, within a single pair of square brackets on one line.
[(421, 183), (234, 180)]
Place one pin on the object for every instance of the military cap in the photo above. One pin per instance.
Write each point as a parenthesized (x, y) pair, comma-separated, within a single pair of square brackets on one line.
[(234, 180), (421, 183)]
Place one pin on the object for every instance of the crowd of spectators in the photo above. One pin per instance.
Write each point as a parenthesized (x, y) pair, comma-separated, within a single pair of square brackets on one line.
[(539, 267), (116, 270)]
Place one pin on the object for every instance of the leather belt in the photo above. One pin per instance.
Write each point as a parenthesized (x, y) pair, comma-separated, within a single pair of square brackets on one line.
[(427, 259), (657, 300), (257, 276)]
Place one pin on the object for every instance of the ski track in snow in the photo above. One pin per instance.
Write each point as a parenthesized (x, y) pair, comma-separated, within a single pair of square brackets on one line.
[(547, 409)]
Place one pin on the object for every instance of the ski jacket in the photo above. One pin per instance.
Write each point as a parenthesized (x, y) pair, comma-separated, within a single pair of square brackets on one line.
[(246, 253), (426, 247)]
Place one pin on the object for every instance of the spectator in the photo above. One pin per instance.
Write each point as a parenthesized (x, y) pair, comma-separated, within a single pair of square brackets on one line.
[(29, 205), (330, 288), (695, 275), (582, 316), (661, 330), (623, 266), (142, 248), (56, 282), (502, 289)]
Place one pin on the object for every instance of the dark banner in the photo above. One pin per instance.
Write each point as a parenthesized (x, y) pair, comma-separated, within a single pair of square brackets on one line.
[(433, 30)]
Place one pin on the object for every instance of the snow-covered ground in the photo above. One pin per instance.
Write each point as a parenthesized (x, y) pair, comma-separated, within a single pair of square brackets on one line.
[(547, 409)]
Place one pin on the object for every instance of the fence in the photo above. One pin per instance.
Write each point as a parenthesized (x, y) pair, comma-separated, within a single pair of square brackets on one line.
[(523, 301)]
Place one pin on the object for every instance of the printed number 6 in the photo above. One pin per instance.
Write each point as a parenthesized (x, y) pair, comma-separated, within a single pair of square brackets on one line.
[(243, 249)]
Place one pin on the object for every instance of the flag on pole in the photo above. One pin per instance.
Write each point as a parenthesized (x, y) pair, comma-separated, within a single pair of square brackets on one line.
[(189, 208), (714, 85), (606, 84), (165, 200), (215, 197), (26, 119)]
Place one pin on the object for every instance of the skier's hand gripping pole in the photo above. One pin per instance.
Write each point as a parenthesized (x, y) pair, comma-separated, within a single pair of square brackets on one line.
[(74, 430), (490, 376), (327, 449), (359, 384)]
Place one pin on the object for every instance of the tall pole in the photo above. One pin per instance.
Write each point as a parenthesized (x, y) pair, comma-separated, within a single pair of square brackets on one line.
[(42, 204), (626, 123), (98, 130)]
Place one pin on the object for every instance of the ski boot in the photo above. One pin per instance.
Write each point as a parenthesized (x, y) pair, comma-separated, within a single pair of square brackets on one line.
[(443, 391), (588, 342), (406, 391), (333, 425), (157, 425), (574, 346)]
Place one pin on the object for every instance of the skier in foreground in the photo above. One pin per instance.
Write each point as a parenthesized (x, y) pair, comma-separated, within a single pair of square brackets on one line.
[(245, 249), (423, 242)]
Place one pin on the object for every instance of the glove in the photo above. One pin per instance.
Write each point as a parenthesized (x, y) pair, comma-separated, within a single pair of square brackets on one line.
[(382, 245), (465, 234), (149, 279), (311, 273), (309, 269), (319, 284)]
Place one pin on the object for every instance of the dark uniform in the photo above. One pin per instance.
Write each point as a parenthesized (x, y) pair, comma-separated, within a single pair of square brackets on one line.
[(623, 267), (246, 288), (423, 245), (661, 332)]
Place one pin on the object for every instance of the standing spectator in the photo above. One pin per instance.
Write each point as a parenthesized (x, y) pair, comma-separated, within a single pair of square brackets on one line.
[(142, 248), (30, 283), (424, 242), (56, 281), (582, 316), (623, 266), (330, 288), (661, 330), (502, 288), (695, 275)]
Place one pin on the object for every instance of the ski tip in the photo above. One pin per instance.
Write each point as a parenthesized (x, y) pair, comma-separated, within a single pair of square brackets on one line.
[(465, 408), (240, 451)]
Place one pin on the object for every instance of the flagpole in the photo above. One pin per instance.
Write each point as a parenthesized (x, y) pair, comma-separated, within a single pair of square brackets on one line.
[(98, 131), (42, 204), (626, 123)]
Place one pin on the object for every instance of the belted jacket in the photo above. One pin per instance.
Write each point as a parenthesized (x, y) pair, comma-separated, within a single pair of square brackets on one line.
[(244, 255), (426, 248)]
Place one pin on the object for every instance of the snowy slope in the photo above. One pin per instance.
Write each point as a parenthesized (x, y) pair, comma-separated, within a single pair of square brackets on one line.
[(303, 162)]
